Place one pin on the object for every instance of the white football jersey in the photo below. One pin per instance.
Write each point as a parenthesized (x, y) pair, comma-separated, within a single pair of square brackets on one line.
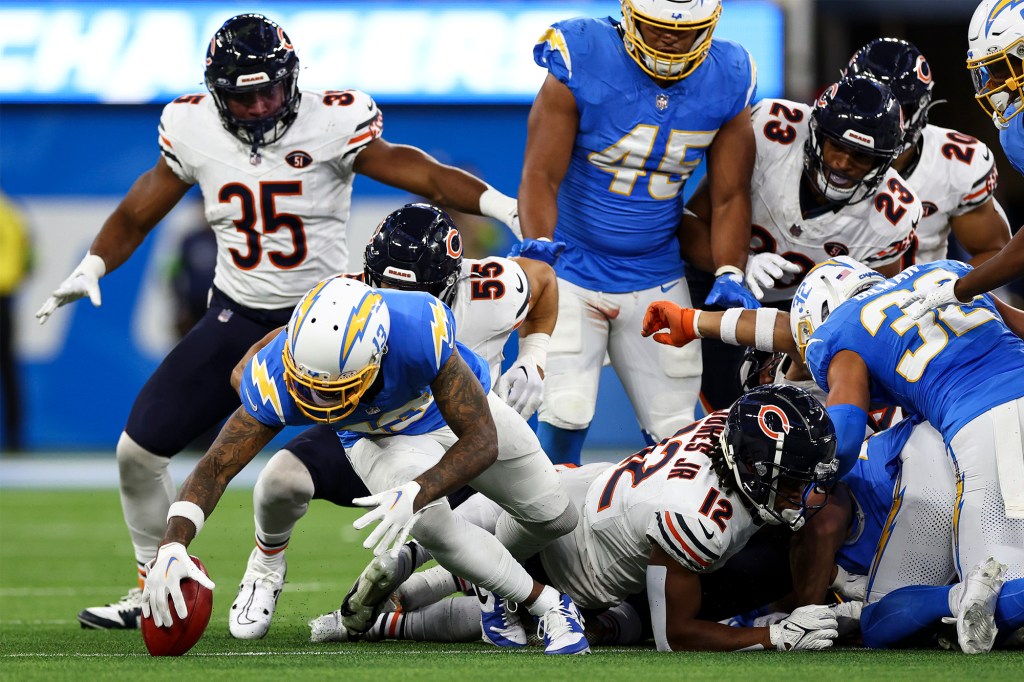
[(955, 174), (669, 495), (281, 224), (876, 231), (492, 300)]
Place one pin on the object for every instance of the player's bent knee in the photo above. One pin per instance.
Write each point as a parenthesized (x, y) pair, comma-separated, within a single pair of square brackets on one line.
[(285, 479), (568, 411), (437, 527), (135, 463)]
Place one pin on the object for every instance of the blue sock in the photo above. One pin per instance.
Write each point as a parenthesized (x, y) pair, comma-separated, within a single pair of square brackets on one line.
[(1010, 606), (903, 613), (562, 445)]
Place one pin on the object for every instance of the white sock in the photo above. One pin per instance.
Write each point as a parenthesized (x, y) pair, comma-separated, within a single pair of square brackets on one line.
[(549, 599), (450, 620), (428, 587), (146, 494)]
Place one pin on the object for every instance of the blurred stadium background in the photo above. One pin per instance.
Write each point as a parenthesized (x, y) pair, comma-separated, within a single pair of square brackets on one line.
[(82, 85)]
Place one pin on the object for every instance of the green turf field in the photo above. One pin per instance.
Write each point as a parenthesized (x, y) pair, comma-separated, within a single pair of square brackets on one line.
[(61, 551)]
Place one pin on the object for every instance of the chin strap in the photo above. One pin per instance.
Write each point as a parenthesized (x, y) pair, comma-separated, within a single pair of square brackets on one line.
[(255, 158)]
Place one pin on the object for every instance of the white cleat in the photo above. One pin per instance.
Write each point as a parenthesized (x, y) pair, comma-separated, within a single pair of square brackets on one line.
[(125, 614), (975, 622), (562, 629), (253, 608), (372, 589), (328, 628)]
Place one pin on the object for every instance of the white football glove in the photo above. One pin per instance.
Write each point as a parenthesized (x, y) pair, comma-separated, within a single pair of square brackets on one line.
[(850, 586), (763, 269), (83, 281), (848, 617), (163, 579), (930, 297), (809, 627), (522, 386), (393, 508)]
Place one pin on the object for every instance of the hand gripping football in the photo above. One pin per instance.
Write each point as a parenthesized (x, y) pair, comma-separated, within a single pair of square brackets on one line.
[(183, 634)]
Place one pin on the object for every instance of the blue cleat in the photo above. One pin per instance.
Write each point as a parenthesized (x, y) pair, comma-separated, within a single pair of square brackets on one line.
[(501, 625)]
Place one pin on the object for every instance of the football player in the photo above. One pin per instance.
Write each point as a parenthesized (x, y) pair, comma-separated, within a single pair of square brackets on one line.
[(961, 371), (954, 174), (409, 404), (822, 186), (662, 518), (275, 165), (627, 111), (416, 248), (995, 59)]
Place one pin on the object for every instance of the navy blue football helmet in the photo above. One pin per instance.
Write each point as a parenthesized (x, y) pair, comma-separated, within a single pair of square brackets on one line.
[(862, 115), (779, 441), (247, 54), (901, 66), (416, 248)]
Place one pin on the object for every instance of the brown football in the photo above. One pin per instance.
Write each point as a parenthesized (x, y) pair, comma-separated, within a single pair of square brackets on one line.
[(182, 635)]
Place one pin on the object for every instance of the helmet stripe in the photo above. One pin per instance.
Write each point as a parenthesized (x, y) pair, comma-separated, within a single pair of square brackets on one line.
[(355, 328)]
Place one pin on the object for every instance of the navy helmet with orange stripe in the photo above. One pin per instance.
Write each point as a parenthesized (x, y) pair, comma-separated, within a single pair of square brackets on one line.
[(781, 444), (901, 66), (416, 247), (250, 58)]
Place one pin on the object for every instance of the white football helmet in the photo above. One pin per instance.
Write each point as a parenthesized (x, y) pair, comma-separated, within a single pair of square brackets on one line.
[(995, 48), (825, 287), (336, 339), (673, 15)]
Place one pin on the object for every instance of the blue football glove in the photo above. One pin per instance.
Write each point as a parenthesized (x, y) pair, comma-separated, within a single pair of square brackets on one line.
[(538, 249), (729, 292)]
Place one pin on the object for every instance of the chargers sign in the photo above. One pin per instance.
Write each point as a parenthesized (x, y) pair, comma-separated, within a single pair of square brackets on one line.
[(413, 52)]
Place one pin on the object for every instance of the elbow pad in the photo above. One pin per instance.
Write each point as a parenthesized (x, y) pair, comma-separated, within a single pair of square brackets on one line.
[(850, 423)]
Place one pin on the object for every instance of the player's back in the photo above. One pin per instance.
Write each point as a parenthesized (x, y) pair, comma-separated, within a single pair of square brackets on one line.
[(668, 494), (955, 174), (620, 201), (874, 231), (280, 224), (950, 366)]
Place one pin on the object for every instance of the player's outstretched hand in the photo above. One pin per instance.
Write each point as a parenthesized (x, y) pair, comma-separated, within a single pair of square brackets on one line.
[(809, 627), (83, 281), (728, 292), (542, 249), (394, 509), (929, 297), (522, 386), (163, 579), (763, 269), (680, 323)]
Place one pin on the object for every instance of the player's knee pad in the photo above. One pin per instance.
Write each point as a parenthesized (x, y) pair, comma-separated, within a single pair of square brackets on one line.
[(568, 404), (136, 465), (284, 480), (557, 527)]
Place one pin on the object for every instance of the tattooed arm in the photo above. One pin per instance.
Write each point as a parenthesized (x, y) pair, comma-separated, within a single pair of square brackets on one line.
[(463, 403), (238, 442)]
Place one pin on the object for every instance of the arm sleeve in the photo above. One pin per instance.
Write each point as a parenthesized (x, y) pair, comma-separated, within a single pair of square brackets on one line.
[(850, 423)]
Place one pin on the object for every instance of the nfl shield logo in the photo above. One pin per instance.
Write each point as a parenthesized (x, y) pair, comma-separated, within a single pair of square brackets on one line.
[(661, 102)]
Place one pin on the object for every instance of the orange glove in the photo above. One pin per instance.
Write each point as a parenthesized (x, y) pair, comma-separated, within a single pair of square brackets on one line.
[(681, 323)]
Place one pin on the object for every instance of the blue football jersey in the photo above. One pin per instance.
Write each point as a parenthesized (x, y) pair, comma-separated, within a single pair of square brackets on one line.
[(871, 484), (948, 367), (621, 199), (1011, 139), (421, 340)]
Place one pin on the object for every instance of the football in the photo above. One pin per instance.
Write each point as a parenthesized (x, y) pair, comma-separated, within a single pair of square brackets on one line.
[(182, 635)]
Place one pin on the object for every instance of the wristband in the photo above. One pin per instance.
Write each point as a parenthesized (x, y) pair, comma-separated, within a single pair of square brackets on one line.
[(764, 329), (187, 510), (536, 346), (696, 328), (727, 330), (728, 270)]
